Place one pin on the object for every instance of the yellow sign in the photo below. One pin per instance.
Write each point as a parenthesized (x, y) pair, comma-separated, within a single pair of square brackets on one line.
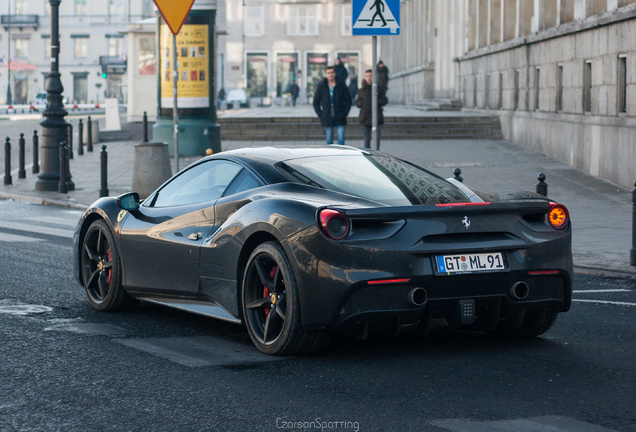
[(174, 12), (193, 49)]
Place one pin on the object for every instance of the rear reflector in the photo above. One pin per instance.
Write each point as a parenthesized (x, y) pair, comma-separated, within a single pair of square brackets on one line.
[(388, 281), (543, 272)]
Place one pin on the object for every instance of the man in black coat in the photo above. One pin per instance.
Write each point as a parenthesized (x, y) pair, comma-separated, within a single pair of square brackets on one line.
[(332, 103), (365, 103), (341, 70)]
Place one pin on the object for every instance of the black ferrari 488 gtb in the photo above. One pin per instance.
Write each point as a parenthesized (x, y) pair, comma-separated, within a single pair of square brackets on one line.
[(296, 243)]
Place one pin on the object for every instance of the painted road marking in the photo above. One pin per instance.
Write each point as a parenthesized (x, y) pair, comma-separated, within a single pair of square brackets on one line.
[(605, 302), (71, 222), (57, 232), (602, 291), (17, 238)]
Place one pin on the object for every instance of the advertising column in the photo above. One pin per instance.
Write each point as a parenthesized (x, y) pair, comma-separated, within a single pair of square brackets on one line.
[(198, 126)]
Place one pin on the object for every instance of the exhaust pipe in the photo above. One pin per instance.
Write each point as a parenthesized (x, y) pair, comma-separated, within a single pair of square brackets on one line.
[(417, 296), (519, 290)]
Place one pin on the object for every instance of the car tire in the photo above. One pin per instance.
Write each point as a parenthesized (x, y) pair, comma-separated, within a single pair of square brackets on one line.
[(534, 323), (101, 270), (271, 307)]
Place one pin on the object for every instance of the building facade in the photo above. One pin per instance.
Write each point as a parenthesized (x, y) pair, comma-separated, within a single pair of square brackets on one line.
[(265, 45), (561, 74), (93, 51)]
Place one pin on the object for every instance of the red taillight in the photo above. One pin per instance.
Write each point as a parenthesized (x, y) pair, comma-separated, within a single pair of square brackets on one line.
[(558, 216), (334, 224)]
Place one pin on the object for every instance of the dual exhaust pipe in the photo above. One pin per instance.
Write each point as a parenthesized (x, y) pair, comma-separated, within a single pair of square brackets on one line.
[(418, 295)]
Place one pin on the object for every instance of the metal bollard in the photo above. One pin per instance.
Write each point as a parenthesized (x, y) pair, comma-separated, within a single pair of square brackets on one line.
[(70, 140), (7, 162), (63, 171), (542, 186), (103, 192), (632, 253), (145, 127), (457, 173), (89, 128), (21, 156), (36, 149), (80, 137)]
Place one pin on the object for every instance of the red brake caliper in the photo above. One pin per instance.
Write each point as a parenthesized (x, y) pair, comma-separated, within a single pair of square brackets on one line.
[(110, 270), (266, 291)]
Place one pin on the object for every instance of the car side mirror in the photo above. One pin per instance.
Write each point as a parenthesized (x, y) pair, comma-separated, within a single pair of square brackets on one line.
[(129, 201)]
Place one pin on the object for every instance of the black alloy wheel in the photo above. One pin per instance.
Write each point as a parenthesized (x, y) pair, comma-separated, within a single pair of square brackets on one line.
[(101, 270), (271, 306)]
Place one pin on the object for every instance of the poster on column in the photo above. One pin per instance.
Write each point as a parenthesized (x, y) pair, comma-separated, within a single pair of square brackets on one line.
[(193, 87)]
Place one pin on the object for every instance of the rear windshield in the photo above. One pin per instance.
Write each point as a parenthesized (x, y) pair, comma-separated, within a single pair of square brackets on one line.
[(375, 177)]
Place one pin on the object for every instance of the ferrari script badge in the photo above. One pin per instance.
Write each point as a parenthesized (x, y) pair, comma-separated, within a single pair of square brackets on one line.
[(466, 222)]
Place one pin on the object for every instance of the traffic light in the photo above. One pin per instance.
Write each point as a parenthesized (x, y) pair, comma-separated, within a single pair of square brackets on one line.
[(104, 75)]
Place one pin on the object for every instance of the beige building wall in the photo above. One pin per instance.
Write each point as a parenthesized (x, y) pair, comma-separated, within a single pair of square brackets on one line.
[(561, 74)]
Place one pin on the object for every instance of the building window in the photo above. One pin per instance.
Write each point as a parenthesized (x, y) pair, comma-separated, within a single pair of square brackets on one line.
[(316, 64), (147, 59), (622, 84), (21, 7), (253, 24), (537, 87), (21, 47), (47, 48), (80, 7), (286, 72), (487, 92), (559, 88), (303, 20), (515, 102), (256, 74), (115, 8), (81, 47), (346, 20), (500, 96), (587, 87), (115, 46)]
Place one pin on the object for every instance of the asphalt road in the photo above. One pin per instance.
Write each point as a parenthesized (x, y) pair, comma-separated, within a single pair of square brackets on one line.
[(66, 367)]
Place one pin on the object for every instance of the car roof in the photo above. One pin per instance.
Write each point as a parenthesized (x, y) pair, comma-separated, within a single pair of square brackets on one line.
[(263, 159)]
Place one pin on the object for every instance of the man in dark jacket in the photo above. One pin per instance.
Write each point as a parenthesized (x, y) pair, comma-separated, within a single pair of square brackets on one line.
[(341, 70), (332, 103), (294, 90), (383, 76), (365, 103)]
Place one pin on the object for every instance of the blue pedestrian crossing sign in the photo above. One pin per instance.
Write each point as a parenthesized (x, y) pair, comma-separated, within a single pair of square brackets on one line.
[(375, 17)]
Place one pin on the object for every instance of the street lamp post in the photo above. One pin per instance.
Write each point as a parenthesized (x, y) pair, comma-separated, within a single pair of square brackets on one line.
[(9, 100), (54, 127)]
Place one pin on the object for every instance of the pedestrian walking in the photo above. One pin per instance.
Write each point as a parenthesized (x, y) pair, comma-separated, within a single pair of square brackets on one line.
[(383, 76), (365, 103), (341, 70), (294, 90), (221, 96), (332, 103), (353, 87)]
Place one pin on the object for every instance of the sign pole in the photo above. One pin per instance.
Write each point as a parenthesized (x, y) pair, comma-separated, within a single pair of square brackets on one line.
[(175, 108), (374, 97)]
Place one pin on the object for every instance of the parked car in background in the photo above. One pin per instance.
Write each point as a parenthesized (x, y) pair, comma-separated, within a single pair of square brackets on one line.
[(237, 96), (40, 99)]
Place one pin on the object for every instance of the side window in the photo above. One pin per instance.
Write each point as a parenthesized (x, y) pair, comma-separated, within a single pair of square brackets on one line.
[(244, 181), (202, 183)]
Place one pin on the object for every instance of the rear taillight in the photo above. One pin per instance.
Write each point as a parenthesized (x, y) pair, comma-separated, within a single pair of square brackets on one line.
[(334, 224), (558, 216)]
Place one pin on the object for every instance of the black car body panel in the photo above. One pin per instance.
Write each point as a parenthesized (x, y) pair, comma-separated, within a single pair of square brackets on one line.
[(198, 252)]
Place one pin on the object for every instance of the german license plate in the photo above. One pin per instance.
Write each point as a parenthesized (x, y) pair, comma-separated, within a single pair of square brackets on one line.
[(470, 263)]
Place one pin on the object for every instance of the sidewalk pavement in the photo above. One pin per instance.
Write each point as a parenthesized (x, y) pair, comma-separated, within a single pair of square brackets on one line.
[(601, 212)]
